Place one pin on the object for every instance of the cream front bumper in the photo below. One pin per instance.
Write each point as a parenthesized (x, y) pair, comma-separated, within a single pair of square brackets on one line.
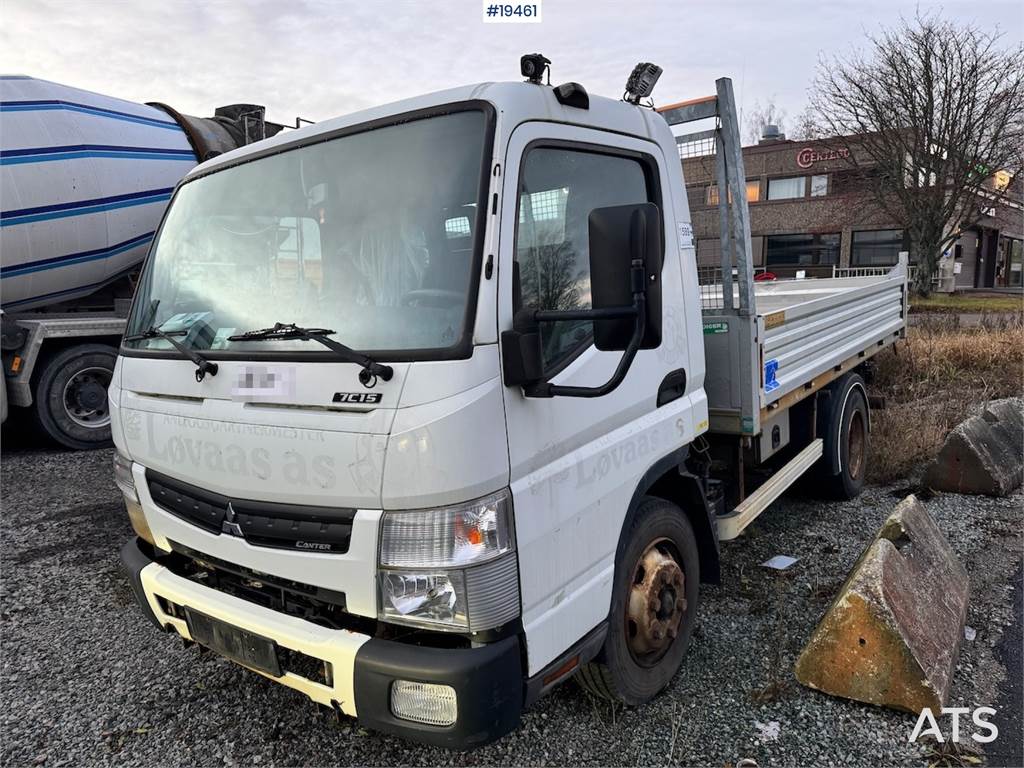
[(333, 646), (487, 679)]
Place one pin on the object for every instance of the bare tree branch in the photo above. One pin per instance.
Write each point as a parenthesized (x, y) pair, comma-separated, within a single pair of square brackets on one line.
[(937, 109), (759, 116)]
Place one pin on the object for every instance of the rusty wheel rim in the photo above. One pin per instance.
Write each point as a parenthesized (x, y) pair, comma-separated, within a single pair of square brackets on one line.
[(857, 443), (655, 604)]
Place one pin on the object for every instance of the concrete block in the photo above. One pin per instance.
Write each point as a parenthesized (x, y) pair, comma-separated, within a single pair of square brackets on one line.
[(1009, 412), (893, 633), (984, 454)]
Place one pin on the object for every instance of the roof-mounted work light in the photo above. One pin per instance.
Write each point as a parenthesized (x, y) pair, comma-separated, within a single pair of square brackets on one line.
[(532, 65), (641, 82)]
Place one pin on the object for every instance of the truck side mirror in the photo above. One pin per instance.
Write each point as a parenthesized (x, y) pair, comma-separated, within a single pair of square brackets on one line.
[(620, 236), (625, 289)]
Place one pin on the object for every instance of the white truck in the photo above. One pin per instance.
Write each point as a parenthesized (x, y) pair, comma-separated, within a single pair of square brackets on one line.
[(424, 410), (85, 179)]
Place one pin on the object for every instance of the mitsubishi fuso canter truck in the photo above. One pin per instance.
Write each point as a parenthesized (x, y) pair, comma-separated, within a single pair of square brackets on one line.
[(424, 410)]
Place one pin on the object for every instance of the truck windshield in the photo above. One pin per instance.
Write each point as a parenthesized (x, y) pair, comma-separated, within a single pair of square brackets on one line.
[(372, 235)]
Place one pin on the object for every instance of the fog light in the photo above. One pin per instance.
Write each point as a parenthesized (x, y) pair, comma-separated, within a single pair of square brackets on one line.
[(427, 703)]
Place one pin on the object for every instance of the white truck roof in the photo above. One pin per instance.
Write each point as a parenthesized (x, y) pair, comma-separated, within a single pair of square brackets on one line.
[(515, 102)]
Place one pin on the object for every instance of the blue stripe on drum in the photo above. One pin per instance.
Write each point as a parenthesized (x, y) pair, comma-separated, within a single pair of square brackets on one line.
[(77, 151), (56, 262), (91, 147), (46, 297), (82, 207), (42, 105)]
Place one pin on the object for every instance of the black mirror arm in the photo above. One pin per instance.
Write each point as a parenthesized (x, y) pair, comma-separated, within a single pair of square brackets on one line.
[(606, 313), (638, 310)]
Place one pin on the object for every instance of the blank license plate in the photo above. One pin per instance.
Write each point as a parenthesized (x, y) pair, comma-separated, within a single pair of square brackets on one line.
[(246, 648)]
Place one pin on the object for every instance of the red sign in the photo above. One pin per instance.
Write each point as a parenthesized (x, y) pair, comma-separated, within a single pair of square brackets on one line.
[(807, 156)]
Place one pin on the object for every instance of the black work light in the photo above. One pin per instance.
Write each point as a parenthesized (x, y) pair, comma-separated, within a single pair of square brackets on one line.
[(532, 65), (641, 81)]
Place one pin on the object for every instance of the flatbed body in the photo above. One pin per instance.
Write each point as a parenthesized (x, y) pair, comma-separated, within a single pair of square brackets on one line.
[(798, 337)]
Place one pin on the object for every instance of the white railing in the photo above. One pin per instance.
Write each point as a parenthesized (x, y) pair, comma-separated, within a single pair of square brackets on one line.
[(876, 272), (860, 271)]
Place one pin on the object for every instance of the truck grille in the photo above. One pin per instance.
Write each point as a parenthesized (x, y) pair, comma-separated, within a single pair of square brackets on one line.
[(263, 524)]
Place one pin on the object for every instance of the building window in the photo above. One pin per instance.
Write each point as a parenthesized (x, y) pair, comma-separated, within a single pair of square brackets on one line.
[(1015, 250), (819, 185), (753, 192), (456, 227), (878, 248), (805, 250), (786, 189)]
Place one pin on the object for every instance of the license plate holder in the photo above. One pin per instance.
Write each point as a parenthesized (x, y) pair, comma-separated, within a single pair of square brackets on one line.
[(239, 645)]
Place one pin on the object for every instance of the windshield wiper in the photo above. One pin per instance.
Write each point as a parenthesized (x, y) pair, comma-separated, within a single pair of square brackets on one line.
[(371, 368), (203, 366)]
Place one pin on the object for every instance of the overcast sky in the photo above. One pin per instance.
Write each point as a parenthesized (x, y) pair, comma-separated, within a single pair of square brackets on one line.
[(321, 58)]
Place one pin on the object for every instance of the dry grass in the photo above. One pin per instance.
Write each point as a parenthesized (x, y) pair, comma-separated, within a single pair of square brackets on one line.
[(932, 381), (968, 302)]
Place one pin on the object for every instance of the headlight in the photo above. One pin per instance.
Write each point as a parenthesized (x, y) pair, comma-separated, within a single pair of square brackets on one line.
[(425, 598), (451, 536), (450, 568), (124, 480)]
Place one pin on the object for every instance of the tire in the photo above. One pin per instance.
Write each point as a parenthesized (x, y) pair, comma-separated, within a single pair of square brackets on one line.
[(71, 396), (845, 432), (633, 667)]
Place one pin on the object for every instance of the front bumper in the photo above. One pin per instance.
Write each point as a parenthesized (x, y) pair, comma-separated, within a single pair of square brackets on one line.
[(488, 680)]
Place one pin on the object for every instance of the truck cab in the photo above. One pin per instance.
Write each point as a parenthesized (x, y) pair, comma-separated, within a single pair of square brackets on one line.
[(406, 409)]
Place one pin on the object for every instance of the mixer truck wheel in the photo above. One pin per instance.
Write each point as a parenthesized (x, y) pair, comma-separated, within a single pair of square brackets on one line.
[(71, 396)]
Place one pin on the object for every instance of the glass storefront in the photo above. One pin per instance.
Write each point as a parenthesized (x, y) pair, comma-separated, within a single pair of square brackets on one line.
[(1013, 262), (804, 250), (877, 248)]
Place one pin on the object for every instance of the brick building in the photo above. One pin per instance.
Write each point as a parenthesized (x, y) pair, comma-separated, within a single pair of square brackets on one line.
[(809, 211)]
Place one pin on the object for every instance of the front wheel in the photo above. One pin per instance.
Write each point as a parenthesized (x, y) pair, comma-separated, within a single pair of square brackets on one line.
[(71, 396), (654, 607)]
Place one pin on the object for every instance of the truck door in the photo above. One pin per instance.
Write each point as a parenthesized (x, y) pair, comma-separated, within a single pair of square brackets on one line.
[(575, 462)]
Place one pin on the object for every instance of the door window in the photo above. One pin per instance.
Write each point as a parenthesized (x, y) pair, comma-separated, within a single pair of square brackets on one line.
[(558, 189)]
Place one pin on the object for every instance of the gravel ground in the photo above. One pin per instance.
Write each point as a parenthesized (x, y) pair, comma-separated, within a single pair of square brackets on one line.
[(85, 680)]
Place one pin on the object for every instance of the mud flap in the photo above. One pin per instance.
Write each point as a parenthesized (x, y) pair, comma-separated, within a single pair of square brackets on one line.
[(892, 636)]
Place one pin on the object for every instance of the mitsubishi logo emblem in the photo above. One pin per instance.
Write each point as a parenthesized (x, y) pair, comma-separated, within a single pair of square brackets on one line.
[(230, 525)]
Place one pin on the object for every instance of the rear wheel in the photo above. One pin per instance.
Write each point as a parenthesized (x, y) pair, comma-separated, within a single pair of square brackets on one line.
[(654, 606), (71, 396), (844, 463)]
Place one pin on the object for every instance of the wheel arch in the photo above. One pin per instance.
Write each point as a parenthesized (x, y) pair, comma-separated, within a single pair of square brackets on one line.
[(669, 479)]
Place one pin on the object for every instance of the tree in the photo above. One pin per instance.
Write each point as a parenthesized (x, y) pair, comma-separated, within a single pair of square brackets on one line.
[(759, 116), (807, 126), (937, 110)]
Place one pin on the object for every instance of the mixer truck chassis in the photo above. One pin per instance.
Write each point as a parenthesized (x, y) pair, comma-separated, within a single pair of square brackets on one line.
[(61, 367)]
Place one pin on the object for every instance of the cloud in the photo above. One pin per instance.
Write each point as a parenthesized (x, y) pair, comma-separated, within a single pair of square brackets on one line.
[(318, 59)]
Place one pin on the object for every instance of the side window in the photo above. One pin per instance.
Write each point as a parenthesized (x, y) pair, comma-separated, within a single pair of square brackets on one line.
[(558, 189)]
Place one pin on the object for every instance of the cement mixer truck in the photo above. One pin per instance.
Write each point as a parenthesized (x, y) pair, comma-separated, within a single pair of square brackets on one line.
[(84, 180)]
